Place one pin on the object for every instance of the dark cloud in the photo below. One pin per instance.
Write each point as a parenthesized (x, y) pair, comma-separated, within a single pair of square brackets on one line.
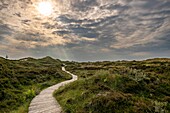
[(4, 32), (87, 29), (4, 29), (84, 5)]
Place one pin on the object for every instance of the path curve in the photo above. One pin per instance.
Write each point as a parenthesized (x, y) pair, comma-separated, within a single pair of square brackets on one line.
[(45, 102)]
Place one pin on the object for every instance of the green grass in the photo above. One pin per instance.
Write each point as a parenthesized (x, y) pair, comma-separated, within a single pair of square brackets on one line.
[(21, 80), (22, 109), (123, 86)]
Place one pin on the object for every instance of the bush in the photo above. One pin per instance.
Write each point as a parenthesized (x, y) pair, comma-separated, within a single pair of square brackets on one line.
[(29, 94)]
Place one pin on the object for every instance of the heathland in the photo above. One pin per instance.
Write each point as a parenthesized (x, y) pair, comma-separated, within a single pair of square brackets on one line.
[(21, 80), (102, 87), (117, 87)]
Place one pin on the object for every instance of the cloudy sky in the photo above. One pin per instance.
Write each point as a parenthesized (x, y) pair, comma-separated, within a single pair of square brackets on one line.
[(86, 30)]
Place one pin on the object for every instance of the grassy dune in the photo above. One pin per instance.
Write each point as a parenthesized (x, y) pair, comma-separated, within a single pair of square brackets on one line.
[(21, 80), (117, 87)]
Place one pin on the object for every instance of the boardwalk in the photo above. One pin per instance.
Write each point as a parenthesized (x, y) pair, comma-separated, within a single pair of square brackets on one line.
[(45, 102)]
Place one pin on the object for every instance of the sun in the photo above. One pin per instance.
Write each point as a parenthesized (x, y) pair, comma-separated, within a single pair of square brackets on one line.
[(45, 8)]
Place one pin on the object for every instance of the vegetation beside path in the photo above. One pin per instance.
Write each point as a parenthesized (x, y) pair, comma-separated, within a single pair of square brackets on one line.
[(117, 87), (21, 80)]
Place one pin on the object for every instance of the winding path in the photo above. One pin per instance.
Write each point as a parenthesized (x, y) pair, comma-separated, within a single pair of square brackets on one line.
[(45, 102)]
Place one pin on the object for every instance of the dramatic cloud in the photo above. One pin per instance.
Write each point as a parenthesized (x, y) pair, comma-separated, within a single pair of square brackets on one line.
[(86, 29)]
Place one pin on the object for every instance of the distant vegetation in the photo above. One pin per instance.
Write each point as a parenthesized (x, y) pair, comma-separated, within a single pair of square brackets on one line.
[(118, 87), (21, 80)]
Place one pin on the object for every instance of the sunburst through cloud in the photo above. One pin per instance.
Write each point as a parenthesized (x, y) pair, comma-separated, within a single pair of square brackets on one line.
[(85, 29), (45, 8)]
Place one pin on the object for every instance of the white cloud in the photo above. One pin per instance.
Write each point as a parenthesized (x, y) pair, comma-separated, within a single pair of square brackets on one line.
[(109, 24)]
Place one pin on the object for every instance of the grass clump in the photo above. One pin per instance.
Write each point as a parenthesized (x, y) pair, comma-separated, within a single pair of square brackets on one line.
[(117, 87), (21, 80)]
